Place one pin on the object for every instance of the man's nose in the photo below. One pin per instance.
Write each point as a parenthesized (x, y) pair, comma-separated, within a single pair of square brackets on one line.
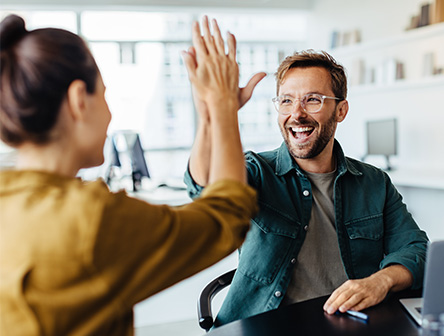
[(297, 110)]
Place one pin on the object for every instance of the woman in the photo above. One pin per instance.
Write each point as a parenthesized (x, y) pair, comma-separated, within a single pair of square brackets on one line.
[(74, 257)]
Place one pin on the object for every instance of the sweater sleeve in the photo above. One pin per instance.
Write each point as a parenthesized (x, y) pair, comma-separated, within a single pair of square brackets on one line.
[(142, 248)]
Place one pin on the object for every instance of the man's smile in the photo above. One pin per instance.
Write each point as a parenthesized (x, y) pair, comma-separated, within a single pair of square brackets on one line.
[(301, 133)]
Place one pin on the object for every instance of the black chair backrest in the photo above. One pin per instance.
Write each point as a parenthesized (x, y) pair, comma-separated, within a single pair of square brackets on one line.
[(204, 312)]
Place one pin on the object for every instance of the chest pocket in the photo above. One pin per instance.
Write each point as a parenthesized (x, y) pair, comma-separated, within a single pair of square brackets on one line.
[(268, 242), (366, 241)]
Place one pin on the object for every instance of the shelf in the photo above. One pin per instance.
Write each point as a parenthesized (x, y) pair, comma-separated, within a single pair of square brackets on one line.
[(403, 84), (414, 54), (435, 30)]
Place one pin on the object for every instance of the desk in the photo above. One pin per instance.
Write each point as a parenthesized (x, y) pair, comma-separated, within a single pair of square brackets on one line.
[(308, 318), (171, 192), (162, 195)]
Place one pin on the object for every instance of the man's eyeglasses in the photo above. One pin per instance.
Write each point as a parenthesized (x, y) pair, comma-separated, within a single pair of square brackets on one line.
[(311, 103)]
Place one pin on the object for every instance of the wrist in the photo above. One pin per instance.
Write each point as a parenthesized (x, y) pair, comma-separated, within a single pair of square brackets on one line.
[(383, 279), (223, 102), (395, 277)]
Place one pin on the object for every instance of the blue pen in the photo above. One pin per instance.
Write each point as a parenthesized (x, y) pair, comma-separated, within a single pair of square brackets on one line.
[(357, 314)]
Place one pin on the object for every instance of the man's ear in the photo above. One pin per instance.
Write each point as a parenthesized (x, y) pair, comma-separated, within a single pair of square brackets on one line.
[(76, 99), (341, 110)]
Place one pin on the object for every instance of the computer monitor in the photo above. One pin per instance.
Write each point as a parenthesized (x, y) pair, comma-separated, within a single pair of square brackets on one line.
[(138, 163), (126, 146), (382, 138), (113, 161), (139, 168)]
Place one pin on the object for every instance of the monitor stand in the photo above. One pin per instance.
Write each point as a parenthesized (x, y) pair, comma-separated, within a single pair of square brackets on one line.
[(387, 160), (388, 166), (137, 180)]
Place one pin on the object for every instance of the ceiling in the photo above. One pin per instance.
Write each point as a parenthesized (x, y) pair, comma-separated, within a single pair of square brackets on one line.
[(247, 4)]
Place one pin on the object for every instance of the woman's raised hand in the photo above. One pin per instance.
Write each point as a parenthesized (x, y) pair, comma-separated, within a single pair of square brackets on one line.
[(213, 72), (215, 43)]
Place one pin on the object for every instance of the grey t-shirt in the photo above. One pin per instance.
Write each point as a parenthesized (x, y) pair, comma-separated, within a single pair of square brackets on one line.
[(319, 270)]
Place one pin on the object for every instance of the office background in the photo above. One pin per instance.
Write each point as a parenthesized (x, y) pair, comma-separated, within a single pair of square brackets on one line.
[(394, 71)]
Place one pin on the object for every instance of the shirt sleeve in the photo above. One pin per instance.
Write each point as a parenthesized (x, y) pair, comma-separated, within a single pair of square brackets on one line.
[(253, 172), (404, 242), (143, 248), (194, 190)]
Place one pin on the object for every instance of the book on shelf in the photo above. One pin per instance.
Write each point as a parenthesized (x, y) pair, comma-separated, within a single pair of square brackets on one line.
[(345, 38), (424, 16), (428, 64), (429, 13), (438, 11), (335, 39), (400, 70), (357, 73)]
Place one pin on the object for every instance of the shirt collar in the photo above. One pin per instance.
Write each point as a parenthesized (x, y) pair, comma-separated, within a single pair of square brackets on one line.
[(286, 163)]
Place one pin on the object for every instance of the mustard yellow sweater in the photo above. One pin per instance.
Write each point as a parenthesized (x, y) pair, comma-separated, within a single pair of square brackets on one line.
[(75, 257)]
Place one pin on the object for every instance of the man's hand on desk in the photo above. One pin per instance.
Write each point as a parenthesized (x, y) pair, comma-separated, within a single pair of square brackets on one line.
[(359, 294)]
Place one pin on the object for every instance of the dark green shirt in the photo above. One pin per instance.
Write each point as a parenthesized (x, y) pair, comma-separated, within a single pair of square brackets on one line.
[(372, 223)]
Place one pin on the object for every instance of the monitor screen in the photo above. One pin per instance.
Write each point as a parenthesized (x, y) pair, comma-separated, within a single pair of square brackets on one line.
[(128, 154), (382, 137), (137, 154)]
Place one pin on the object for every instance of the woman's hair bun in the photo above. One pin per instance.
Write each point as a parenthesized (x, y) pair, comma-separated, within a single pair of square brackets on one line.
[(12, 29)]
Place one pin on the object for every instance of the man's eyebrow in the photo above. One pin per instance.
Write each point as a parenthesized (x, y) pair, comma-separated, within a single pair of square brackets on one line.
[(311, 92)]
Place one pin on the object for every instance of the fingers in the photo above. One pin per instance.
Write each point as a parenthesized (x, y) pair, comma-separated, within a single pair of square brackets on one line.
[(247, 91), (346, 301), (220, 44), (192, 51), (198, 41), (231, 42), (214, 42), (208, 37), (212, 72), (190, 63), (354, 295), (335, 300), (209, 44), (365, 303)]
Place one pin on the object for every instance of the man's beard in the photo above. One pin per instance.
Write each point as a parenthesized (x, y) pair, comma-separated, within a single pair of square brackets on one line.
[(314, 147)]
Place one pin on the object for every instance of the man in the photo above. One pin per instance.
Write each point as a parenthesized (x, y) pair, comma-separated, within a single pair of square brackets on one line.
[(327, 224)]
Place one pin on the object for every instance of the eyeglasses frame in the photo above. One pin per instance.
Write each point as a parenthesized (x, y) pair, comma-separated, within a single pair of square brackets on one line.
[(323, 97)]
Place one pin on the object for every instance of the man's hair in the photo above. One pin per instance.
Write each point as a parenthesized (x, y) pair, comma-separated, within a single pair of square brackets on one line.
[(312, 58)]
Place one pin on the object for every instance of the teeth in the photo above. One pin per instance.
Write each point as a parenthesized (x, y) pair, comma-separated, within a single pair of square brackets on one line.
[(301, 129)]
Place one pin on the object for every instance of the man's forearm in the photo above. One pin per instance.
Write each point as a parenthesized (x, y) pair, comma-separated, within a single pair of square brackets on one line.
[(227, 158), (397, 277), (201, 154)]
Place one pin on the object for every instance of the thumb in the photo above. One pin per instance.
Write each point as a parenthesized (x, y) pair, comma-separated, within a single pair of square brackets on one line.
[(247, 91), (189, 60)]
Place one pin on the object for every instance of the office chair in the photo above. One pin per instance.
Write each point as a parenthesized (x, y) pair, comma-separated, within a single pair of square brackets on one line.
[(204, 312)]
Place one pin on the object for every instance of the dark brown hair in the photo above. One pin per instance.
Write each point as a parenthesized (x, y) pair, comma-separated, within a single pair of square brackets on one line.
[(36, 69), (312, 58)]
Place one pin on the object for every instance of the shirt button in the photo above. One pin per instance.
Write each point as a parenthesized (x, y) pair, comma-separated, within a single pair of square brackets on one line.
[(277, 294), (293, 261), (305, 193), (306, 227)]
